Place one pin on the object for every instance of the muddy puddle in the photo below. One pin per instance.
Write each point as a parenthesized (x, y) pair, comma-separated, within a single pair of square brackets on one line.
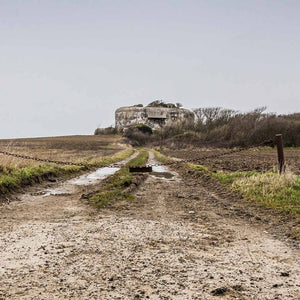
[(92, 178), (69, 186), (161, 171), (73, 185)]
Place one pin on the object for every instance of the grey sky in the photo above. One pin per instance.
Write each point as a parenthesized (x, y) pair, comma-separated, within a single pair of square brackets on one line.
[(65, 66)]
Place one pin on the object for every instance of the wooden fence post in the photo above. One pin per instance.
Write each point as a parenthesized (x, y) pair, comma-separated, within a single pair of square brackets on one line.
[(279, 144)]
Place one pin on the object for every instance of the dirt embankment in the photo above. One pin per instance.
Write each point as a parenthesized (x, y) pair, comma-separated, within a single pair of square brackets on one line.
[(174, 242)]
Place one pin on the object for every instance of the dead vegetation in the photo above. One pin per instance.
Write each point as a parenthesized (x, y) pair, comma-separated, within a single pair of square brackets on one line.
[(92, 151), (64, 148), (219, 127)]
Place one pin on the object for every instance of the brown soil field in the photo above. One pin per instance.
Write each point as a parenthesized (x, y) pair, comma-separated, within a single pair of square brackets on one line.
[(249, 160), (63, 148), (182, 238)]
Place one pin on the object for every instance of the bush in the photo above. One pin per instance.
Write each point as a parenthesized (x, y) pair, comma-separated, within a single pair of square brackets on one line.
[(219, 125), (106, 131), (228, 128), (144, 128), (136, 137)]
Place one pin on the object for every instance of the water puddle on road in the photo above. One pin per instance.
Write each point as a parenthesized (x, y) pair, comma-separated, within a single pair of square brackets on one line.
[(69, 186), (160, 169), (92, 178), (162, 172)]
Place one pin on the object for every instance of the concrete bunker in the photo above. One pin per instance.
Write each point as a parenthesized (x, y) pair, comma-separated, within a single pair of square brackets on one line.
[(155, 115)]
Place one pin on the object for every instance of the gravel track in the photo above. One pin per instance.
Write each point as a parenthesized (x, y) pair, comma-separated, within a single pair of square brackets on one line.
[(168, 244)]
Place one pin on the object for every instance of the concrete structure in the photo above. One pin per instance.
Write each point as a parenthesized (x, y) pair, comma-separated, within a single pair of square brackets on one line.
[(154, 117)]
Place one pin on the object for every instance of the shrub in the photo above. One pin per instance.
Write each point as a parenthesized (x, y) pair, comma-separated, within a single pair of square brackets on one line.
[(218, 125), (106, 131), (144, 128), (137, 137)]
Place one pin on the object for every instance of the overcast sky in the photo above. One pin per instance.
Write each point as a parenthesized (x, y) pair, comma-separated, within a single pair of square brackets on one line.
[(65, 66)]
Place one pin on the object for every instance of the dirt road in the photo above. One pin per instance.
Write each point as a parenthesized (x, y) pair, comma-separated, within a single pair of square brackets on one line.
[(169, 244)]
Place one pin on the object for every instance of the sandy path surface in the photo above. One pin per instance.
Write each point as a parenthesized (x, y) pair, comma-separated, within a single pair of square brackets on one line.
[(169, 244)]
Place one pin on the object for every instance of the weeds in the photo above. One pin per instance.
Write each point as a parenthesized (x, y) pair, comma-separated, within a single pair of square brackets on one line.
[(117, 183), (160, 157), (108, 160), (140, 160), (229, 178), (197, 167), (12, 179)]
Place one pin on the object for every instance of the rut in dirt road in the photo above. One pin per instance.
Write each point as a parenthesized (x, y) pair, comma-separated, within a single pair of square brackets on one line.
[(168, 244)]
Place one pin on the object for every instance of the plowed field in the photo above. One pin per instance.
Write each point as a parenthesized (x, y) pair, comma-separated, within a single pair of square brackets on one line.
[(255, 159)]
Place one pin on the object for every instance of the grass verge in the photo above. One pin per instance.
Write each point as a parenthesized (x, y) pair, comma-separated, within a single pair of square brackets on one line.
[(281, 192), (117, 184), (11, 179), (109, 160), (161, 158)]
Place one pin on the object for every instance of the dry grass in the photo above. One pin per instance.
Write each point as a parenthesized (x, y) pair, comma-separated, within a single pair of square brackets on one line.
[(160, 157), (94, 151), (281, 192), (70, 148)]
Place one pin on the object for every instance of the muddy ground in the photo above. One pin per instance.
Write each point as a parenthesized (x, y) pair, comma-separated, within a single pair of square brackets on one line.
[(178, 240), (251, 160)]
